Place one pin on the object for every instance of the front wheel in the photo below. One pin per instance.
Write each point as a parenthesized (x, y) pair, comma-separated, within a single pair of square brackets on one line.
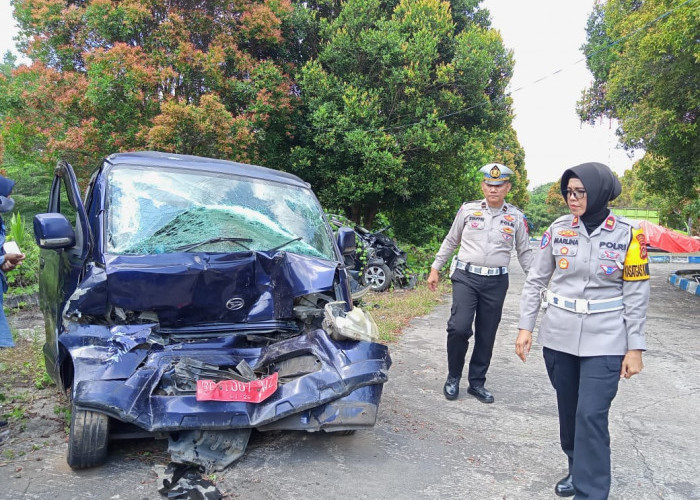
[(378, 277), (89, 434)]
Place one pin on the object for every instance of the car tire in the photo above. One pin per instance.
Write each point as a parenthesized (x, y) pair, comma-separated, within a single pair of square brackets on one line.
[(378, 277), (87, 443)]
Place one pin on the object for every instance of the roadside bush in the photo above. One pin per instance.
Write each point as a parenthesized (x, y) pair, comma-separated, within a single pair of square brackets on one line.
[(24, 279), (420, 257)]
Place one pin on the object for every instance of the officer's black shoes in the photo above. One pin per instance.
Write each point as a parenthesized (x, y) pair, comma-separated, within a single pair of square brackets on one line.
[(451, 389), (481, 394), (565, 487)]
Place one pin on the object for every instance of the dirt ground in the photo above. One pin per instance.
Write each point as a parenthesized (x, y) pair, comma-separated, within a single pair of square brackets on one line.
[(34, 410)]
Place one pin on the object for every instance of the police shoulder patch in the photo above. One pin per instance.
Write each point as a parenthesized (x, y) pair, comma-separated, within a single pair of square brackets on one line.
[(609, 223), (546, 240), (636, 266)]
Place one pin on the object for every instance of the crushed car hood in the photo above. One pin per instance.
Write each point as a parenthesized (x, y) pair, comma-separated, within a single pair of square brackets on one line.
[(186, 289)]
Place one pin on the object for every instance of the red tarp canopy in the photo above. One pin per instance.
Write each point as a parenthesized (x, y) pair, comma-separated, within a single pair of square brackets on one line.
[(670, 241)]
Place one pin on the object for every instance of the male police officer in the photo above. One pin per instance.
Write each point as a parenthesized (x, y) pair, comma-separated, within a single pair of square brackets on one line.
[(485, 232)]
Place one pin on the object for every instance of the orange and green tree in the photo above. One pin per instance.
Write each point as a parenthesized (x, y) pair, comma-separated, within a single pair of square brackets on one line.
[(189, 77), (384, 107)]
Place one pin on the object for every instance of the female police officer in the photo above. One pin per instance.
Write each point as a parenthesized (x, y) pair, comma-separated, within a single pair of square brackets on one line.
[(592, 332)]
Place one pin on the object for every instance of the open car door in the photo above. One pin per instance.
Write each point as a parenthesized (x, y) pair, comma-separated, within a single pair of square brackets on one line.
[(63, 236)]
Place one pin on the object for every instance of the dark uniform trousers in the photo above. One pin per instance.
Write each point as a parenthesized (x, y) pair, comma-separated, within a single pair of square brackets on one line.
[(479, 300), (585, 388)]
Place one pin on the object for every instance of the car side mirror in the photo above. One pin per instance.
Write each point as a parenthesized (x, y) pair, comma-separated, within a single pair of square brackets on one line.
[(53, 231), (346, 240)]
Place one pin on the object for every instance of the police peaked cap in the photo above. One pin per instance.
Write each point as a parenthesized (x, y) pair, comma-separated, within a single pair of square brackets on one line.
[(496, 174)]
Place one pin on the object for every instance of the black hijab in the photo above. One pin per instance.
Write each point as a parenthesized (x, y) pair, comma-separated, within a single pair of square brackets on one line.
[(601, 186)]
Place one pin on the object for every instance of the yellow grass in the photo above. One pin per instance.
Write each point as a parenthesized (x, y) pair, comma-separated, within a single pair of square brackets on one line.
[(394, 309)]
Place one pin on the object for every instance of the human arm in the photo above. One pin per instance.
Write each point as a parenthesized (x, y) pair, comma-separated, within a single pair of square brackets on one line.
[(449, 244), (537, 280), (433, 279), (635, 300), (530, 300), (11, 260), (631, 363)]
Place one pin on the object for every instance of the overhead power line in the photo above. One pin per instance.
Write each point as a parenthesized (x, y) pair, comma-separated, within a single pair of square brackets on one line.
[(536, 81)]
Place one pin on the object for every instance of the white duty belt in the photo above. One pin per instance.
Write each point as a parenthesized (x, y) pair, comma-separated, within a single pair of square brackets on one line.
[(583, 306), (482, 270)]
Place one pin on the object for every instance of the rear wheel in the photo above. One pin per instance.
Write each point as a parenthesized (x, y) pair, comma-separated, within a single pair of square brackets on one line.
[(89, 434), (378, 277)]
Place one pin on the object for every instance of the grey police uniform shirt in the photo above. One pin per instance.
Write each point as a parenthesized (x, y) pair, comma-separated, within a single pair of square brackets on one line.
[(485, 238), (585, 267)]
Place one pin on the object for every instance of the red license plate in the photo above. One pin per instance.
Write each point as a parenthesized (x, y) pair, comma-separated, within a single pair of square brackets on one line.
[(254, 391)]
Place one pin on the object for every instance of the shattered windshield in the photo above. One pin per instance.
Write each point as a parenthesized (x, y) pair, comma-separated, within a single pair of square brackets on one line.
[(153, 211)]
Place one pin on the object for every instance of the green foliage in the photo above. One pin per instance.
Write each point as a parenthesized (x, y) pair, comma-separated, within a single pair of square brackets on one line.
[(645, 64), (641, 189), (16, 230), (17, 413), (545, 205), (384, 107), (419, 258), (405, 102), (9, 62), (538, 213), (24, 278), (33, 182)]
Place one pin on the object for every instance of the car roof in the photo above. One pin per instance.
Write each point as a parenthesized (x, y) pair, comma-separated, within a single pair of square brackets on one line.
[(172, 160)]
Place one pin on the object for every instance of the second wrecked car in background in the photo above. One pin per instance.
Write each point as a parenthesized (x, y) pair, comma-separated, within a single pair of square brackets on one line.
[(196, 299), (379, 262)]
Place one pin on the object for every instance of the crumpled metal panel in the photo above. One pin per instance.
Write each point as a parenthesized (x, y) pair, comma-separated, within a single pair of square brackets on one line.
[(114, 376), (357, 410), (213, 450), (190, 288)]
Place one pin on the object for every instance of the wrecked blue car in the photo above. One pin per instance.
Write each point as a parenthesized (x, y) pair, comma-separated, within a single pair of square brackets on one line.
[(194, 300)]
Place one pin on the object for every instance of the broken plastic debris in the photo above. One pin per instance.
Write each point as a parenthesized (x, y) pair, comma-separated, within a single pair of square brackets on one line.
[(354, 325), (183, 481)]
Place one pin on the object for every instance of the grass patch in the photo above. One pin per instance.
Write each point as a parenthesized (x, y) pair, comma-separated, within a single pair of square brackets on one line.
[(23, 365), (22, 370), (393, 310), (63, 412)]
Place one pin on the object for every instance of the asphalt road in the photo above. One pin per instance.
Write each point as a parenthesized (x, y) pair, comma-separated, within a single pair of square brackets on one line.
[(424, 446)]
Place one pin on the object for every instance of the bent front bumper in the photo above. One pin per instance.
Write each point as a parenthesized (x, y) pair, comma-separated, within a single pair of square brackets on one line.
[(119, 372)]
